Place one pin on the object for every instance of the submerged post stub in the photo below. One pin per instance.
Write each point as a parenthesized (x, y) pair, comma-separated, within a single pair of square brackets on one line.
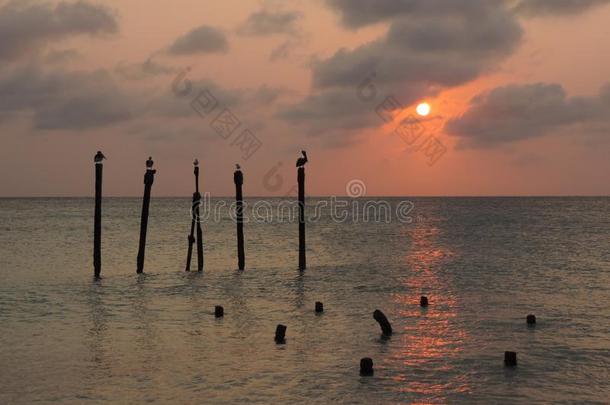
[(219, 311), (280, 334), (380, 317), (531, 319), (510, 359), (423, 301), (366, 366), (319, 307)]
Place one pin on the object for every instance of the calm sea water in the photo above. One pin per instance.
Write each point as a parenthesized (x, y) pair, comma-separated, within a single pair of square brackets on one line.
[(485, 263)]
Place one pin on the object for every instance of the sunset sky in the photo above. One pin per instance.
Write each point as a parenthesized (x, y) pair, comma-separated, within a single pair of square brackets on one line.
[(519, 92)]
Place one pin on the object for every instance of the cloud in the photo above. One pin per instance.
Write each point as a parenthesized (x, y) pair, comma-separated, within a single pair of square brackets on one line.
[(533, 8), (517, 112), (265, 22), (429, 45), (144, 70), (26, 27), (62, 56), (63, 100), (203, 39)]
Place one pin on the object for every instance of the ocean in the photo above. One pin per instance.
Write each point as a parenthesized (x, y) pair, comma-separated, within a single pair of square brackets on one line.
[(484, 264)]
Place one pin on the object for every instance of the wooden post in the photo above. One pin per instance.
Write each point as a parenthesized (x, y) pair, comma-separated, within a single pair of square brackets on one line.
[(301, 181), (191, 236), (149, 178), (366, 366), (510, 359), (383, 322), (97, 227), (238, 179), (423, 301), (280, 334), (197, 196)]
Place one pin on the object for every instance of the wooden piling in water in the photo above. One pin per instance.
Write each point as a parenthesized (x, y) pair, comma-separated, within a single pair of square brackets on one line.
[(197, 196), (319, 307), (301, 182), (366, 366), (149, 179), (531, 319), (423, 301), (510, 359), (238, 179), (280, 334), (191, 235), (383, 322), (97, 226), (219, 311)]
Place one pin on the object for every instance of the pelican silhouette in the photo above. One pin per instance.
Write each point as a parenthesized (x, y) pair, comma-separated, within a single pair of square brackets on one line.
[(149, 163), (196, 162), (302, 160), (99, 156)]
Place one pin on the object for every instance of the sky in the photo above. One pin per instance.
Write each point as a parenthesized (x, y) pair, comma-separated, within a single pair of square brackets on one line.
[(519, 93)]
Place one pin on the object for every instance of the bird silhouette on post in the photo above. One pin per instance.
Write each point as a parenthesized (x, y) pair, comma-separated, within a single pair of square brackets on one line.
[(99, 156), (302, 160), (149, 163)]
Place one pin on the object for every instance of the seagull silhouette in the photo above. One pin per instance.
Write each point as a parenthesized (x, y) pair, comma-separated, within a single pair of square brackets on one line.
[(149, 162), (302, 160), (99, 156)]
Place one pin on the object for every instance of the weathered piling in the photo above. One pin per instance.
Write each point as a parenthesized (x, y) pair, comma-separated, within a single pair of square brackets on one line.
[(238, 179), (531, 320), (301, 181), (510, 359), (219, 311), (197, 196), (366, 366), (191, 235), (149, 178), (280, 334), (319, 307), (97, 226), (380, 317), (423, 301)]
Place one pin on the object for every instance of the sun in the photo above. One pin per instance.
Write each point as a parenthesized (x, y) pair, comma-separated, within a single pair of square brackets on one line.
[(423, 109)]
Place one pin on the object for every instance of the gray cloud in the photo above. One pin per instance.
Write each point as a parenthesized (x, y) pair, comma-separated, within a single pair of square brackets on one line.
[(430, 45), (516, 112), (203, 39), (556, 7), (265, 22), (26, 27), (63, 100)]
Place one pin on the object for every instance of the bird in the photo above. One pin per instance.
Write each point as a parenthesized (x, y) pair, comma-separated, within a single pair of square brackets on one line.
[(302, 160), (149, 163), (99, 156), (196, 162), (237, 167)]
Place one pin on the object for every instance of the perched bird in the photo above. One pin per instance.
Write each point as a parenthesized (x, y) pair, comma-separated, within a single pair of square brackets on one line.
[(196, 162), (302, 160), (237, 167), (149, 163), (99, 156)]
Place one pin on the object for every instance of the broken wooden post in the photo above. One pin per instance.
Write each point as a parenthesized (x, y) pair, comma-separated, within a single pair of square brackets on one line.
[(531, 320), (301, 183), (149, 178), (238, 179), (97, 226), (219, 311), (380, 317), (191, 236), (366, 366), (197, 197), (319, 307), (510, 359), (280, 334)]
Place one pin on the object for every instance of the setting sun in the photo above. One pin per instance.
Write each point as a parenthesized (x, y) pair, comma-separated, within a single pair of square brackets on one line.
[(423, 109)]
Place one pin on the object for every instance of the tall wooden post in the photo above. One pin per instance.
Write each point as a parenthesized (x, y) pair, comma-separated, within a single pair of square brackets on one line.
[(191, 236), (197, 196), (238, 179), (301, 181), (97, 227), (149, 178)]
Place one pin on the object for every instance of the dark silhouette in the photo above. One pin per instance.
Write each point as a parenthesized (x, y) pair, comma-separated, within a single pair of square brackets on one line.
[(380, 317), (149, 178), (366, 366), (302, 160), (238, 179), (423, 301), (99, 156), (510, 359), (195, 222), (301, 182), (219, 311), (280, 334), (531, 320), (97, 221), (319, 307)]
